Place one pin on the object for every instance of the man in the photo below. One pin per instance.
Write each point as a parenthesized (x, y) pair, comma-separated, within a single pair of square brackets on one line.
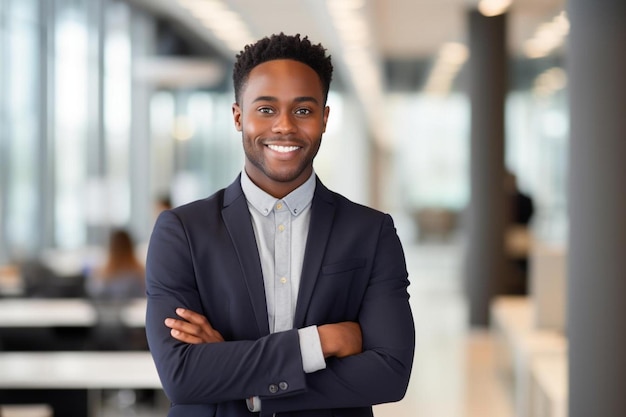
[(518, 236), (276, 294)]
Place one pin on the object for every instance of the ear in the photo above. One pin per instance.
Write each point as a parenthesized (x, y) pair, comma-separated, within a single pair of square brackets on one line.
[(326, 112), (237, 117)]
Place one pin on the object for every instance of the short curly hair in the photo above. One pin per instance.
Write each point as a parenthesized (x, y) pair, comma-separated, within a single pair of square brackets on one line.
[(282, 46)]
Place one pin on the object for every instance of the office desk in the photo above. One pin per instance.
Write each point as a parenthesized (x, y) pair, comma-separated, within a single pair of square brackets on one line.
[(549, 386), (35, 410), (35, 324), (77, 370), (520, 343), (72, 382), (63, 312)]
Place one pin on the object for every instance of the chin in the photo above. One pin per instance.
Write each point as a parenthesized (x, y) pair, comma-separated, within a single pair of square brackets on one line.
[(285, 176)]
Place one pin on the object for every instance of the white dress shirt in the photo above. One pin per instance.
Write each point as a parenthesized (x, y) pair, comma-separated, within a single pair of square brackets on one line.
[(281, 228)]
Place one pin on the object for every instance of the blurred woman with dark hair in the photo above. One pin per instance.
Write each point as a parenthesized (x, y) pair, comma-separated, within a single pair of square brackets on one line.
[(122, 276)]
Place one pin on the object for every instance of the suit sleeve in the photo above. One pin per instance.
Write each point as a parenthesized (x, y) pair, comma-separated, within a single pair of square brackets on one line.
[(270, 366), (381, 373)]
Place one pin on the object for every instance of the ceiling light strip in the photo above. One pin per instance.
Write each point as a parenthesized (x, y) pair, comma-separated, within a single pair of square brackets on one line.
[(223, 22), (350, 20), (449, 62), (548, 37)]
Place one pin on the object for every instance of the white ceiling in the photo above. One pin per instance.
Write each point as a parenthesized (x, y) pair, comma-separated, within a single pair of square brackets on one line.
[(403, 29), (413, 28)]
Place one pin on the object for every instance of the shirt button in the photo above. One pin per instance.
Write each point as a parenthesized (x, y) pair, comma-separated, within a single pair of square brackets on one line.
[(283, 385), (283, 280), (279, 206), (273, 388), (281, 228)]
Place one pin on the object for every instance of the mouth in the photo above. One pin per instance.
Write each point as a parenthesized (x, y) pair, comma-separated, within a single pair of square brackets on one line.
[(283, 149)]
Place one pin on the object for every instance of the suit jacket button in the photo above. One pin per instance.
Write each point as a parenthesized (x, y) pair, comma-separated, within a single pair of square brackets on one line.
[(283, 385), (273, 388)]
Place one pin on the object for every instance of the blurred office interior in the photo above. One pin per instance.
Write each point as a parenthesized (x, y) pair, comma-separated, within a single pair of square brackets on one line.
[(106, 106)]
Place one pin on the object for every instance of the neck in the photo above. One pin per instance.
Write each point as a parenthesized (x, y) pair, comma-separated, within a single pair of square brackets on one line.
[(277, 189)]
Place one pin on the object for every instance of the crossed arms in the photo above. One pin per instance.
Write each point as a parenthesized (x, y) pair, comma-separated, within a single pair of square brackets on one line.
[(337, 339), (211, 351)]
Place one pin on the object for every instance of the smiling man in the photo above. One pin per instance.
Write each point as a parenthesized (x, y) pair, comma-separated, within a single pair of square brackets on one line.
[(276, 295), (282, 115)]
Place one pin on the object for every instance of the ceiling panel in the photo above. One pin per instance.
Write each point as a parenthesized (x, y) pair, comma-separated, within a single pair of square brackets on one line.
[(407, 33), (403, 29)]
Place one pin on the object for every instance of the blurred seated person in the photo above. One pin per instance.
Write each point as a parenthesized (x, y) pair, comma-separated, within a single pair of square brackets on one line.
[(518, 234), (162, 202), (116, 282), (122, 275)]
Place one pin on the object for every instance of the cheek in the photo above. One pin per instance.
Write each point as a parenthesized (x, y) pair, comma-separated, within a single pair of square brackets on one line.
[(254, 126), (314, 130)]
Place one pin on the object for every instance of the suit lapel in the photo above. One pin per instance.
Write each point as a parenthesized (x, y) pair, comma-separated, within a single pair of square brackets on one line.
[(237, 220), (322, 213)]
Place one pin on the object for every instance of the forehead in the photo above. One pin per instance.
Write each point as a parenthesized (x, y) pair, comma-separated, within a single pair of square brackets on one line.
[(282, 78)]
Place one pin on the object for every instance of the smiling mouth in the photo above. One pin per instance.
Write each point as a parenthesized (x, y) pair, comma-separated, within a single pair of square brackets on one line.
[(283, 149)]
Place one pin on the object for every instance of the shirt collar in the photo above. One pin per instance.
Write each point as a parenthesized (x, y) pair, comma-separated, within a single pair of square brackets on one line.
[(296, 201)]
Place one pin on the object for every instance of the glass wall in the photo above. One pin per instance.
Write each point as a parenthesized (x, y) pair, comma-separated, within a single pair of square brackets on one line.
[(21, 127), (432, 150), (70, 88), (88, 143), (537, 149), (431, 154), (195, 148), (65, 112)]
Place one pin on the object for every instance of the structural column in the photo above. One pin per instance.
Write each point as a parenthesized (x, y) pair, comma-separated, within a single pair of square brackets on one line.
[(597, 208), (485, 263)]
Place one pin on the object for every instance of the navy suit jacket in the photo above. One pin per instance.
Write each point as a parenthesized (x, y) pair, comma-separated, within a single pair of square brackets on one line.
[(203, 256)]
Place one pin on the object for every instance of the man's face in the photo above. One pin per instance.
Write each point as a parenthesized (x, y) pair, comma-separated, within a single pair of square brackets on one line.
[(282, 117)]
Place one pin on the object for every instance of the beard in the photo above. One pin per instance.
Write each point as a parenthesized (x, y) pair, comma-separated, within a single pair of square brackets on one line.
[(275, 170)]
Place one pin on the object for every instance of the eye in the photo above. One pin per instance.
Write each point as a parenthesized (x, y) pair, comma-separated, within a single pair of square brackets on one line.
[(265, 110), (303, 112)]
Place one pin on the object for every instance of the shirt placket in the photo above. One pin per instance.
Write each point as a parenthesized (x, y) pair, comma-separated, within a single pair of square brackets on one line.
[(282, 262)]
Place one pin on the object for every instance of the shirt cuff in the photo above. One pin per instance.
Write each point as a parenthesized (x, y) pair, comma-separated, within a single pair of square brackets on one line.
[(311, 350), (254, 404)]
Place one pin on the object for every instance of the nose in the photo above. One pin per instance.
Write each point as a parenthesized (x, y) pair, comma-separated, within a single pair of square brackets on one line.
[(284, 124)]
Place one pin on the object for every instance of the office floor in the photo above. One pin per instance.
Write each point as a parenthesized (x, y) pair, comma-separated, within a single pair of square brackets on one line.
[(454, 372)]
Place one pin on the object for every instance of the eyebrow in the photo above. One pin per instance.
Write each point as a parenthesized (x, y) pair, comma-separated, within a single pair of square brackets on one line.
[(297, 99)]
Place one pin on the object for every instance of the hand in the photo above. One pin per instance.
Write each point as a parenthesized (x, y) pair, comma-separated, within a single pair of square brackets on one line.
[(341, 339), (194, 329)]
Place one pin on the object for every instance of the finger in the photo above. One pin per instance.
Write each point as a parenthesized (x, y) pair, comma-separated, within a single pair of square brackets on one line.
[(183, 326), (217, 337), (185, 337), (193, 317), (192, 334)]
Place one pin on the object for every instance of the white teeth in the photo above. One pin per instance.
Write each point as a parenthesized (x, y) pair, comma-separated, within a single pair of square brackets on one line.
[(282, 149)]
